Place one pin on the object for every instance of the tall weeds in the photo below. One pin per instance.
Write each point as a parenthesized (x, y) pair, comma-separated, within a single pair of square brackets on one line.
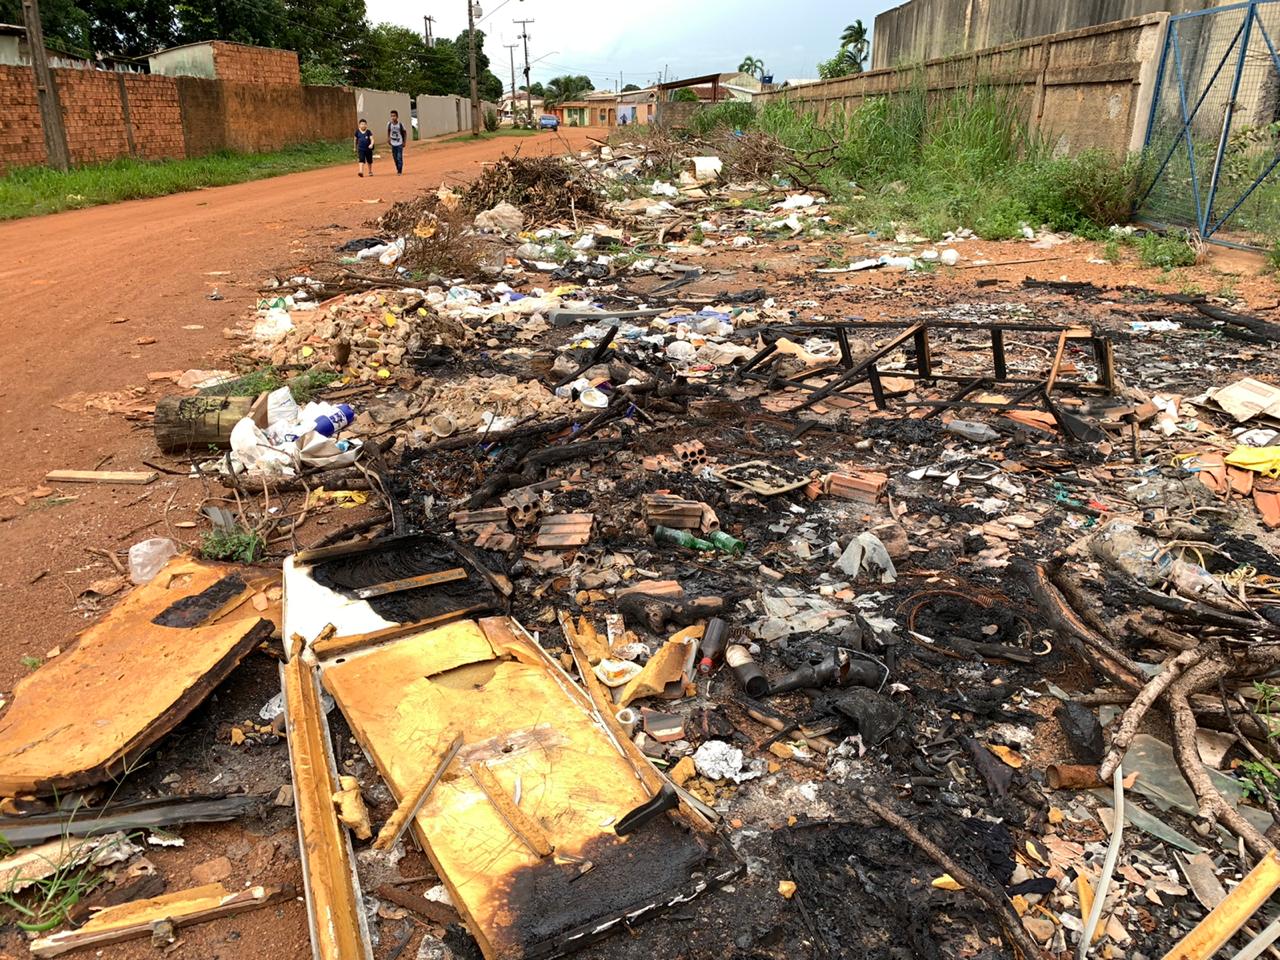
[(934, 162)]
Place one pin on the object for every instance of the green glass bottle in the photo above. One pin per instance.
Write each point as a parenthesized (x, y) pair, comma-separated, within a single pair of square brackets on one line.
[(680, 538)]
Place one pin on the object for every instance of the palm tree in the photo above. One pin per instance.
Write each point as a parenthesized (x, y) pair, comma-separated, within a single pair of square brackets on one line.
[(559, 89), (854, 40), (752, 65)]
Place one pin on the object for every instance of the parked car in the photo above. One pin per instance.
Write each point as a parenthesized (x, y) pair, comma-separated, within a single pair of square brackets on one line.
[(548, 122)]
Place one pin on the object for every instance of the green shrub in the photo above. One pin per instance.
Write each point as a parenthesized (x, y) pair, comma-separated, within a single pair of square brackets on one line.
[(491, 120), (238, 544), (728, 115), (1166, 251)]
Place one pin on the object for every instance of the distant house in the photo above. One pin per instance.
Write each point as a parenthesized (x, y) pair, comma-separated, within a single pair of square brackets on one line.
[(511, 107), (604, 108)]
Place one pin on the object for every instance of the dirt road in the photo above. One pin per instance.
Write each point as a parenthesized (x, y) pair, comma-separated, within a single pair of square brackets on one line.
[(96, 299)]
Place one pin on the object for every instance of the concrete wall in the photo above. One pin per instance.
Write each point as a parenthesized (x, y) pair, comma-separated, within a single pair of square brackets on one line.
[(376, 106), (440, 115), (930, 29), (1083, 88), (192, 60)]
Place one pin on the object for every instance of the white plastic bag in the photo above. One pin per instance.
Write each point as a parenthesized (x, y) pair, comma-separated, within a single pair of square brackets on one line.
[(148, 558), (282, 406)]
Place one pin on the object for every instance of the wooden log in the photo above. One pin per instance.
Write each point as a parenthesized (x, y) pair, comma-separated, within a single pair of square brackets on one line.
[(188, 423)]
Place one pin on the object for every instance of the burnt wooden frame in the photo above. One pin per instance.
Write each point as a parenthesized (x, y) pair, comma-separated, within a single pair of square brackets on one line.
[(855, 370)]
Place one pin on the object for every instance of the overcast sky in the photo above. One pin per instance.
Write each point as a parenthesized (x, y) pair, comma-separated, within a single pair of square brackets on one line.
[(688, 37)]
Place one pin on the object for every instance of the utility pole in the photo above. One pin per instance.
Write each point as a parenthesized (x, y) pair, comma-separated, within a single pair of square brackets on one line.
[(511, 54), (475, 91), (427, 21), (528, 91), (55, 134)]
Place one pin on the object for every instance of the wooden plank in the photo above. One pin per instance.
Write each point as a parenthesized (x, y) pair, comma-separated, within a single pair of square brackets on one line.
[(1211, 933), (141, 477), (414, 799), (522, 825), (1057, 362), (334, 913), (130, 679), (337, 646), (132, 921), (576, 782), (412, 583)]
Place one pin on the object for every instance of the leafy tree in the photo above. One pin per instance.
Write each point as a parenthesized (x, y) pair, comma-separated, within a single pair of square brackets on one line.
[(630, 88), (535, 88), (325, 33), (752, 65), (390, 57), (259, 22), (841, 65), (559, 89), (686, 95), (130, 28)]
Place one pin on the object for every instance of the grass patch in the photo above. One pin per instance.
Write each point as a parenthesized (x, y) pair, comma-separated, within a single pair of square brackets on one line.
[(491, 134), (237, 544), (304, 386), (30, 191)]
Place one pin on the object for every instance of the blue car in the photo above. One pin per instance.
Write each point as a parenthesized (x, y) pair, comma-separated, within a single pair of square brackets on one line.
[(548, 122)]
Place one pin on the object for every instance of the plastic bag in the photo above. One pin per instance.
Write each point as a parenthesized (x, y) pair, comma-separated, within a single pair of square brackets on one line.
[(282, 406), (148, 558)]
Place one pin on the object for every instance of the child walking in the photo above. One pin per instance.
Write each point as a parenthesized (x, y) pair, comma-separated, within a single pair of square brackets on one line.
[(396, 135), (364, 148)]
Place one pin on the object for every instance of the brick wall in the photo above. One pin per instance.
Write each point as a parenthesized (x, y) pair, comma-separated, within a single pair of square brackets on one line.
[(169, 117), (92, 114), (237, 63), (156, 116), (21, 137)]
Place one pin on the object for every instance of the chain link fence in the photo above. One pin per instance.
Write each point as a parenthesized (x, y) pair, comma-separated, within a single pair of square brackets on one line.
[(1214, 136)]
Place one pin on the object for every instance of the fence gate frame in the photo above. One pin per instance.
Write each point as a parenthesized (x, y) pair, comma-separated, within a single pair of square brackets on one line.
[(1206, 224)]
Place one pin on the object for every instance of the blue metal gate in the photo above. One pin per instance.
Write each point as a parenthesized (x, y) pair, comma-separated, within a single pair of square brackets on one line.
[(1213, 139)]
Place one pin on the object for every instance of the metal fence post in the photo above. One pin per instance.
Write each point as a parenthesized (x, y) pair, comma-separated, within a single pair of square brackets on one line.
[(1245, 32)]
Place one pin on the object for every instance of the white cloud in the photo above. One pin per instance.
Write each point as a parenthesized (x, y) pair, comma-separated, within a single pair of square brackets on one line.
[(685, 37)]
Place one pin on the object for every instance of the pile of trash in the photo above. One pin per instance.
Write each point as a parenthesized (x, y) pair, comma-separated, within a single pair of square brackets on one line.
[(541, 188), (837, 634)]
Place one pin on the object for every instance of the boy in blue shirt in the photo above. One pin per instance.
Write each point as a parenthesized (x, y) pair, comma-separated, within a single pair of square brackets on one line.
[(364, 148)]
